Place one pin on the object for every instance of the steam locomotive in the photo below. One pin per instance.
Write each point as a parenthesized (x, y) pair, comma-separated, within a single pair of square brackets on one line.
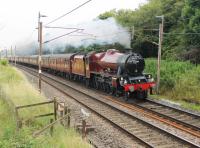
[(112, 71)]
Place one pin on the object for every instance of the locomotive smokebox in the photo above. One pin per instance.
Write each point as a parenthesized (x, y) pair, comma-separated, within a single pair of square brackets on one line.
[(131, 64)]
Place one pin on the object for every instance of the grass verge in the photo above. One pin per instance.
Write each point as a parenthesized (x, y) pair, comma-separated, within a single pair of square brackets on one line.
[(15, 88), (182, 103)]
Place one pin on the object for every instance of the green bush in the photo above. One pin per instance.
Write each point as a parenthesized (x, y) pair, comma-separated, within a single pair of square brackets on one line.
[(4, 62), (179, 80)]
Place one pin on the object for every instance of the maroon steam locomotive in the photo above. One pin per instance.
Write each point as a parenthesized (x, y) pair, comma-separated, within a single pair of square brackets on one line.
[(111, 71)]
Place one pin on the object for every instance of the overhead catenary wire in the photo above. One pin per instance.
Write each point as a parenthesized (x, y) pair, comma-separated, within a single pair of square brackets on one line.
[(50, 27), (61, 36), (85, 33), (98, 36), (80, 31), (177, 20), (125, 32), (187, 33), (79, 35), (69, 12)]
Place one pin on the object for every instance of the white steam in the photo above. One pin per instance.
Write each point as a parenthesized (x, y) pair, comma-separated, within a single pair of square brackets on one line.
[(95, 31)]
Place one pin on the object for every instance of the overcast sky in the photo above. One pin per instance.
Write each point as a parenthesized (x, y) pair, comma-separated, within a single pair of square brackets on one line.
[(18, 18)]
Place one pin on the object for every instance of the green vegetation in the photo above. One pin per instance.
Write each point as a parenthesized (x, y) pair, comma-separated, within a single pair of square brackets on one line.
[(15, 88), (179, 80), (181, 17), (3, 62)]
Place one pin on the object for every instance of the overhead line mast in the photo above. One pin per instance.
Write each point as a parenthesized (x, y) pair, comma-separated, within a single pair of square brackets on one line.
[(161, 27), (40, 51)]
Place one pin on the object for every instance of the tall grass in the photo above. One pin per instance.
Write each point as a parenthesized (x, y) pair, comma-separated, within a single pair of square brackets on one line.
[(179, 80), (15, 88)]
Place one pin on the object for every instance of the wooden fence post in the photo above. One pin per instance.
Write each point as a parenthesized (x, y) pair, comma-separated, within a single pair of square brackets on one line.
[(18, 121), (65, 113), (68, 117), (83, 129), (55, 109), (51, 128), (61, 115)]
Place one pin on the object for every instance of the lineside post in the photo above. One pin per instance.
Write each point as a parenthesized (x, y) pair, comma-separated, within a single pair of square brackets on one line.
[(40, 56), (40, 49), (161, 27)]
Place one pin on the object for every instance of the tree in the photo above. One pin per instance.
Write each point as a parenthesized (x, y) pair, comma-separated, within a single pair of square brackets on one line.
[(107, 14), (181, 17), (191, 15)]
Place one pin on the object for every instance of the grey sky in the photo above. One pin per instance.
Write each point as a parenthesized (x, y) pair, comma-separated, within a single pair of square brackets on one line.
[(18, 18)]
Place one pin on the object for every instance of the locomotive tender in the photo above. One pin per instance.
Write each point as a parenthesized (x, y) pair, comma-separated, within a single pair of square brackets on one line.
[(111, 71)]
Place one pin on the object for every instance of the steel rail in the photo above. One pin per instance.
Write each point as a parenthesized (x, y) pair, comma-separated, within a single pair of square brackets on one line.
[(195, 128), (176, 109)]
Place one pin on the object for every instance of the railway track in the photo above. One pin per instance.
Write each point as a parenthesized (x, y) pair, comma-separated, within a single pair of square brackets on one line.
[(185, 118), (147, 134)]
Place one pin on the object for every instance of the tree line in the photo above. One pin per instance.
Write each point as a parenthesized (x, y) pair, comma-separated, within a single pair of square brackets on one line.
[(181, 28)]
